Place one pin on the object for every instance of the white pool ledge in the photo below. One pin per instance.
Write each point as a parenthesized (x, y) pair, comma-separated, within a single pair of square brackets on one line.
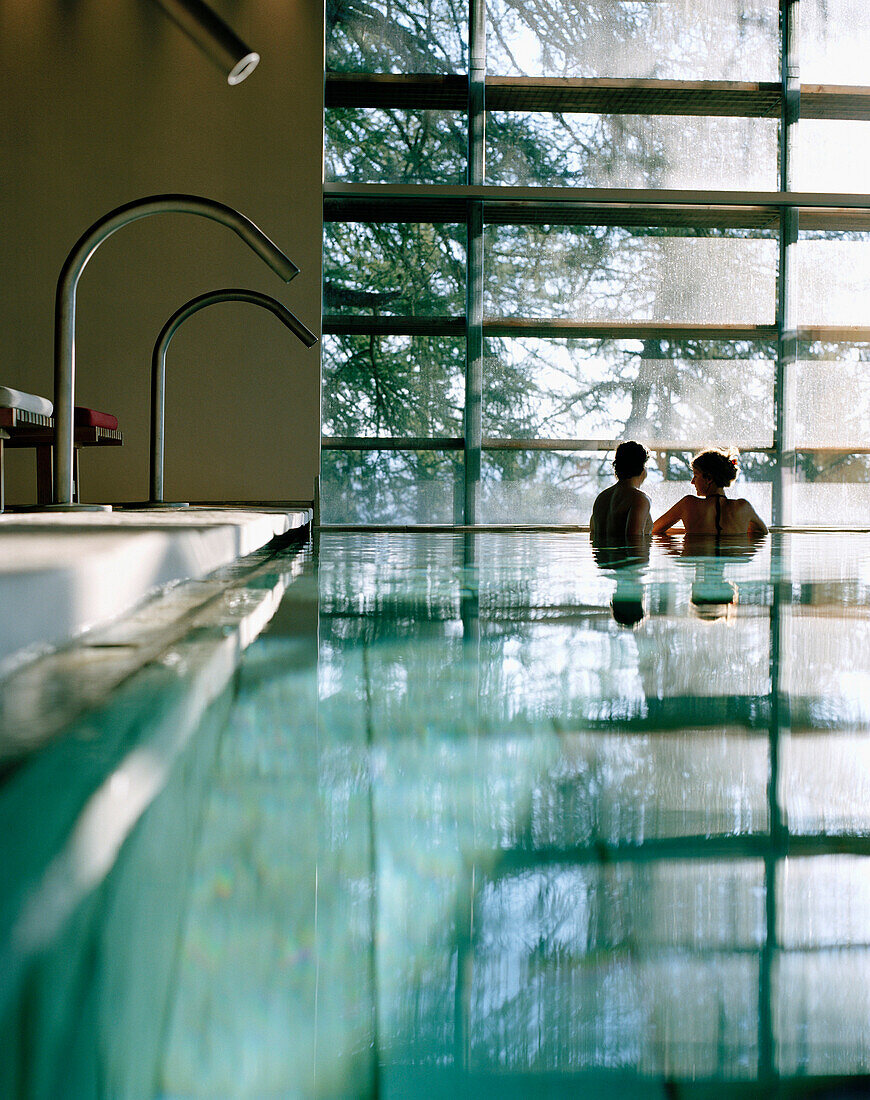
[(63, 574)]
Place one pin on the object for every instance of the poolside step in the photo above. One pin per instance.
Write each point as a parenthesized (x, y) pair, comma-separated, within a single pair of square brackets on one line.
[(62, 574)]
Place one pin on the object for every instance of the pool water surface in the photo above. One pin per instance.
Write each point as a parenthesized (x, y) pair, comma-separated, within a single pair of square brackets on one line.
[(480, 815)]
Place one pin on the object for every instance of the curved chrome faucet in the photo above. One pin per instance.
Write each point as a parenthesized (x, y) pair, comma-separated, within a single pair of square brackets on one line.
[(158, 362), (65, 303)]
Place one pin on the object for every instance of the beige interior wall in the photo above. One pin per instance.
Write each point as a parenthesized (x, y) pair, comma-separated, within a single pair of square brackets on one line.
[(106, 101)]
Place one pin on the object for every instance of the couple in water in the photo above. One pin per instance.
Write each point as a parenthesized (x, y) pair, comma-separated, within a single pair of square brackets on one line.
[(621, 514)]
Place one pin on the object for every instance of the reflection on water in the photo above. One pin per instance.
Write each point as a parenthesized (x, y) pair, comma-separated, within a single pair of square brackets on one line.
[(491, 817), (547, 845)]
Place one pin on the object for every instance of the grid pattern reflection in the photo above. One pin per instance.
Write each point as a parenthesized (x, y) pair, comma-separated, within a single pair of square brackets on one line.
[(547, 233), (617, 837)]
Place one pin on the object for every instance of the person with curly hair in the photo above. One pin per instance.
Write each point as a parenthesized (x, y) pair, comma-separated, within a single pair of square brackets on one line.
[(621, 514), (711, 513)]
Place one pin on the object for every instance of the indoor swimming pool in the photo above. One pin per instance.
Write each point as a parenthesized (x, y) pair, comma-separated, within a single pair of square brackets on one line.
[(462, 814)]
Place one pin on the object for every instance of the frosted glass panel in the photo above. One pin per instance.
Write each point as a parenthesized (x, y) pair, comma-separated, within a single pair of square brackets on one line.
[(393, 385), (389, 486), (834, 41), (832, 154), (540, 486), (575, 389), (830, 401), (397, 36), (832, 281), (601, 273), (684, 39), (395, 146), (401, 270), (845, 504), (632, 151)]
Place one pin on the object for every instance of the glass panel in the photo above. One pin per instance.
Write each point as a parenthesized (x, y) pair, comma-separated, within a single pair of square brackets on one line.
[(527, 486), (541, 486), (393, 385), (390, 486), (409, 269), (825, 783), (649, 390), (822, 1012), (831, 489), (609, 273), (397, 36), (395, 146), (830, 398), (832, 154), (631, 151), (832, 279), (829, 402), (834, 41), (675, 39)]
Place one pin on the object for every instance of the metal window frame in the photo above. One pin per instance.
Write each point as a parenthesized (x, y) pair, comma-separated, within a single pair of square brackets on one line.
[(476, 204)]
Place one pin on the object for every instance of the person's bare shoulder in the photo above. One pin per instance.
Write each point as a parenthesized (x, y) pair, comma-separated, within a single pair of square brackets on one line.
[(602, 500), (744, 507), (746, 510), (640, 500)]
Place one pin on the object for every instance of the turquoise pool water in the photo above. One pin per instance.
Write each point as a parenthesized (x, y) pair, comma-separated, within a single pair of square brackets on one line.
[(477, 815)]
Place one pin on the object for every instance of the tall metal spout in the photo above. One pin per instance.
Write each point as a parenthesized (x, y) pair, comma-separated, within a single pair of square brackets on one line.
[(65, 303), (158, 362)]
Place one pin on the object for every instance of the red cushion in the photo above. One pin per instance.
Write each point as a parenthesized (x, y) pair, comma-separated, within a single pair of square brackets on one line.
[(90, 418)]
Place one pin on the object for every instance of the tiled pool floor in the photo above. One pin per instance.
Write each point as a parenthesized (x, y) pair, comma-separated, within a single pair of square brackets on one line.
[(478, 816)]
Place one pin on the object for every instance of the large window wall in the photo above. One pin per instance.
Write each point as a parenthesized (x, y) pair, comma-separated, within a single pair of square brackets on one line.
[(550, 227)]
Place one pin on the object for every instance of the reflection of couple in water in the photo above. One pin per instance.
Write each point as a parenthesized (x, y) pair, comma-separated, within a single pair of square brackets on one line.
[(714, 524)]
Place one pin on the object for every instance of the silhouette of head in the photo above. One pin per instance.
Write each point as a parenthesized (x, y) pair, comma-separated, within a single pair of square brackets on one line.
[(630, 459), (627, 612), (714, 598), (720, 467), (627, 602)]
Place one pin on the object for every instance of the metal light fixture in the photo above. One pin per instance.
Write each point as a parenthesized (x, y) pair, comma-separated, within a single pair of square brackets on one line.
[(217, 41)]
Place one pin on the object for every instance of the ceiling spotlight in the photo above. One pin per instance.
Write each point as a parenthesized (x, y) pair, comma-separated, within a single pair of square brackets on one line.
[(214, 37)]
